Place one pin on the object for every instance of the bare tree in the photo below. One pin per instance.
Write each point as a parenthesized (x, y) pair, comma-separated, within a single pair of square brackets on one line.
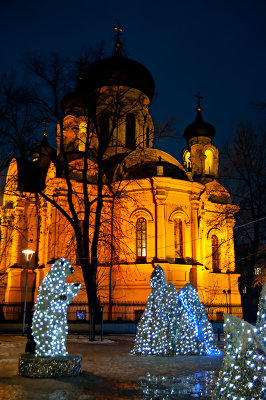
[(89, 168), (209, 298), (244, 172), (17, 122)]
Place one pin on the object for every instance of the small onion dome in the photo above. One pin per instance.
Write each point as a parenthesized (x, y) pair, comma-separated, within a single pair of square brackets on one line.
[(118, 70), (44, 149), (199, 128), (70, 100)]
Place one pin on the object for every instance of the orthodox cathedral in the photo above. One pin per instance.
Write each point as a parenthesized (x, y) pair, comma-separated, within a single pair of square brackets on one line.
[(171, 213)]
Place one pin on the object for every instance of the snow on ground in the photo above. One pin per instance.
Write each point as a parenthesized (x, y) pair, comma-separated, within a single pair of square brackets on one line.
[(84, 339), (110, 372)]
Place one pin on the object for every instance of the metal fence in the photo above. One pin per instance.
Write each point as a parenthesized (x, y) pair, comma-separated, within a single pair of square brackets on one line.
[(129, 312), (119, 312), (216, 313)]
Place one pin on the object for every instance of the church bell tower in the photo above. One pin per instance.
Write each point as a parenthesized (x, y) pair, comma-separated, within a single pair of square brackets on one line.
[(200, 157)]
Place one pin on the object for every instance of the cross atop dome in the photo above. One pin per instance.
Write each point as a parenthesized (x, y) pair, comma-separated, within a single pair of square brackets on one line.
[(118, 28), (81, 66), (199, 97), (45, 122)]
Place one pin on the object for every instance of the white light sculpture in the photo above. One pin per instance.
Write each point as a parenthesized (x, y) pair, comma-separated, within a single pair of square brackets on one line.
[(194, 334), (172, 308), (261, 316), (243, 373), (154, 329), (174, 323), (49, 324)]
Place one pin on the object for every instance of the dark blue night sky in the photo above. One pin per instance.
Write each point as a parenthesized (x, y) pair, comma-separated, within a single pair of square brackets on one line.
[(215, 47)]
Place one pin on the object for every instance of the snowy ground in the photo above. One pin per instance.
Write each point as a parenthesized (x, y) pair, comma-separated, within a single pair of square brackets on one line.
[(110, 372)]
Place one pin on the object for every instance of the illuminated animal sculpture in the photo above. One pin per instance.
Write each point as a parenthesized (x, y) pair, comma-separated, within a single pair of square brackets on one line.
[(49, 325)]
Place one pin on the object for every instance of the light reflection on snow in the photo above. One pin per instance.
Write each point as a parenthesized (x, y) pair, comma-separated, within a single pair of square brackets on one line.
[(59, 395), (199, 385)]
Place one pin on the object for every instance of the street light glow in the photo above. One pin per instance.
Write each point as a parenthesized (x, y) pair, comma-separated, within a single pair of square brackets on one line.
[(28, 254)]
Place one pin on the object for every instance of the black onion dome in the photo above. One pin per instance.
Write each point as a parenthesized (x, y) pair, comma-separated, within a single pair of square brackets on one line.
[(118, 70), (199, 128), (72, 99)]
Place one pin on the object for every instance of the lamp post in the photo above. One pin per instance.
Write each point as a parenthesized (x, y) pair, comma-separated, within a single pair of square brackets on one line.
[(227, 292), (28, 254)]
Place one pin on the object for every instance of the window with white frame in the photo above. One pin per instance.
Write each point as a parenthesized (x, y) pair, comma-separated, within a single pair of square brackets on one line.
[(141, 239)]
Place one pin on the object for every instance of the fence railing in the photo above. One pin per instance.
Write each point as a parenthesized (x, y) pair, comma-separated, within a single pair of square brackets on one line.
[(119, 312)]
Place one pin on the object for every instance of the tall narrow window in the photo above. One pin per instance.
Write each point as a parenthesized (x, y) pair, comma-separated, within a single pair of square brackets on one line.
[(208, 162), (130, 131), (178, 234), (141, 231), (82, 136), (187, 161), (215, 254)]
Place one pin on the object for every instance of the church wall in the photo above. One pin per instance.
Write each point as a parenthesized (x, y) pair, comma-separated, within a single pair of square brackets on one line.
[(216, 224), (215, 284), (176, 203), (130, 281), (178, 207)]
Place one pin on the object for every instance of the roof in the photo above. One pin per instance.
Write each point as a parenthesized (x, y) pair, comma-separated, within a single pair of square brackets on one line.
[(199, 128), (147, 169), (119, 70), (115, 70)]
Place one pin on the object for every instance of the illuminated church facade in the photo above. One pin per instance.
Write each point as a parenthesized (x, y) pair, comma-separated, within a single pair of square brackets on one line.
[(176, 214)]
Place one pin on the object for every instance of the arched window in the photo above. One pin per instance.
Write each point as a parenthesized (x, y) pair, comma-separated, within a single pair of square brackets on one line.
[(178, 237), (187, 161), (215, 254), (141, 236), (130, 131), (208, 162)]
